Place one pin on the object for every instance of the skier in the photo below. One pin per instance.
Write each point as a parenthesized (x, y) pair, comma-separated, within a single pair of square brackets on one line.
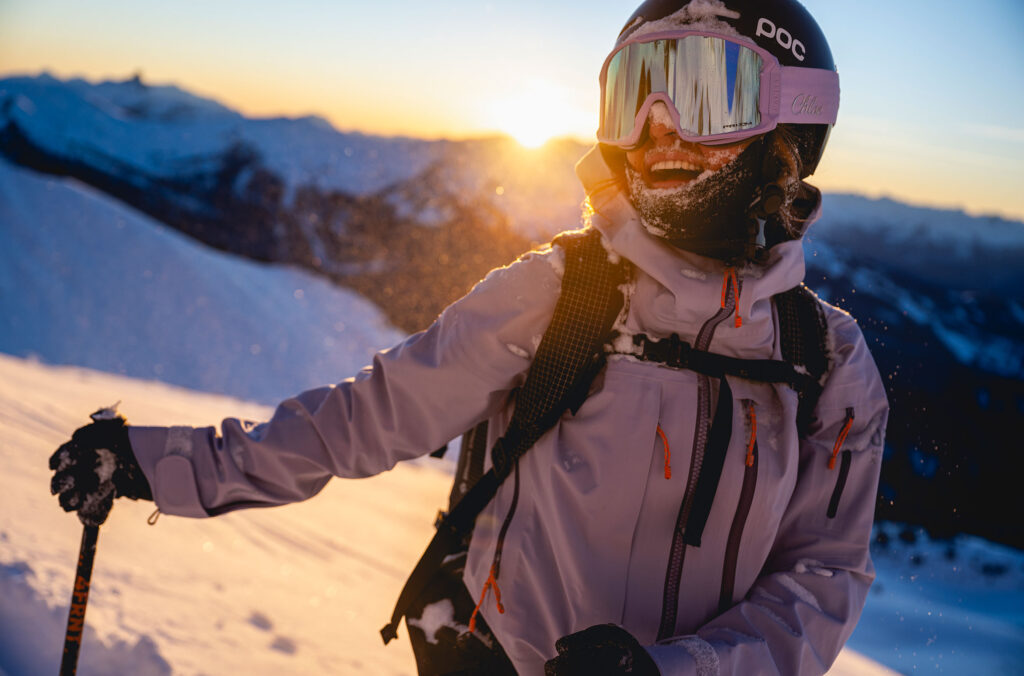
[(678, 519)]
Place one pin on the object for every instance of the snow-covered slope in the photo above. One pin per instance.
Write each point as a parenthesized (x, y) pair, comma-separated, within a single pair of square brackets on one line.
[(301, 589), (951, 606), (85, 280)]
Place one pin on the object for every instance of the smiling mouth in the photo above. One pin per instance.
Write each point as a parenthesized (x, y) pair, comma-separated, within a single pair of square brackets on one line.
[(673, 171)]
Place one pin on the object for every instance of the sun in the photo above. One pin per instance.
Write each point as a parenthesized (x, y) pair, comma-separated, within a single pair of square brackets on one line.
[(532, 114)]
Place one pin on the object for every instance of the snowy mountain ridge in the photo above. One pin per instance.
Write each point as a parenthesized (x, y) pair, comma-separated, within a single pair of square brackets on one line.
[(163, 130)]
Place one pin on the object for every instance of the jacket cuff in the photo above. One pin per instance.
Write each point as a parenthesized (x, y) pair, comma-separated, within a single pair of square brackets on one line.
[(685, 656), (164, 454)]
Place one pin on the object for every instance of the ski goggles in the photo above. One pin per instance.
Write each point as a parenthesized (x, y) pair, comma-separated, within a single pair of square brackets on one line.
[(717, 89)]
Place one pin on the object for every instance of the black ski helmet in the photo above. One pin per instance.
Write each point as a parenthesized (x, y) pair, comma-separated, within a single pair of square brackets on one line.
[(784, 28)]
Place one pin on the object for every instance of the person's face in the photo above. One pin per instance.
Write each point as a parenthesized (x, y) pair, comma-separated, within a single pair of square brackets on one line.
[(666, 161)]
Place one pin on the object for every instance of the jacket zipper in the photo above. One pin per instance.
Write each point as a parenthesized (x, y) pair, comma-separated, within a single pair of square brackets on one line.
[(677, 555), (732, 548)]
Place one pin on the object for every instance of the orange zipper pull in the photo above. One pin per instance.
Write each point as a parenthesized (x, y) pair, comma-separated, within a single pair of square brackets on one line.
[(841, 438), (491, 583), (730, 274), (668, 452)]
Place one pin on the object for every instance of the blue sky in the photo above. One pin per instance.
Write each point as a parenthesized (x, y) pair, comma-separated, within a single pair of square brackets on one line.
[(930, 113)]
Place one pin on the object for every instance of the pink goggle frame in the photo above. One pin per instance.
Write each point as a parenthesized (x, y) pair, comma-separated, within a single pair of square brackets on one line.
[(785, 94)]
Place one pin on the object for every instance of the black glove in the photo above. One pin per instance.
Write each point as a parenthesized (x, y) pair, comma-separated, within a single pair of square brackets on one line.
[(95, 467), (601, 650)]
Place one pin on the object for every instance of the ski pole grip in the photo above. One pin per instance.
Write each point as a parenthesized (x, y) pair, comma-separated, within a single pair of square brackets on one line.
[(79, 599)]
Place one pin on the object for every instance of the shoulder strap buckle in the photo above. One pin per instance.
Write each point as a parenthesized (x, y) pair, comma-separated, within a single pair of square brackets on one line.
[(672, 350)]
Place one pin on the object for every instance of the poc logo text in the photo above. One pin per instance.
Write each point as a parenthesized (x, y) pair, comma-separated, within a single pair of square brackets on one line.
[(785, 39)]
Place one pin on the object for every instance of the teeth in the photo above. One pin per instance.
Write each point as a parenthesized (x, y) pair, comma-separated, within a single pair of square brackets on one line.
[(667, 165)]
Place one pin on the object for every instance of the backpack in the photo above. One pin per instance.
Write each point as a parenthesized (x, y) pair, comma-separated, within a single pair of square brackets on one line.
[(571, 353)]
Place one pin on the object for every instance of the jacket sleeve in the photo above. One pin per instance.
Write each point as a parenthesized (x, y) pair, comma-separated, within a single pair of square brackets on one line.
[(810, 594), (410, 401)]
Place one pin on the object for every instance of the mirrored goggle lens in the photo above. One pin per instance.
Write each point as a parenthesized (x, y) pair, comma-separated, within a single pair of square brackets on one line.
[(713, 83)]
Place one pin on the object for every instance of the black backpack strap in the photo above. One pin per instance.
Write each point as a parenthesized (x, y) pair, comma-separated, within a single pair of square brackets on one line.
[(571, 352), (570, 355), (470, 466), (804, 343)]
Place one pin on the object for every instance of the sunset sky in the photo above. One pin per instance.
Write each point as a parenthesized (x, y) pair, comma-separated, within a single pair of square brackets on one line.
[(932, 89)]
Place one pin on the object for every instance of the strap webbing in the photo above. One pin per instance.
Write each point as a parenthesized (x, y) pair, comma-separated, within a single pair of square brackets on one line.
[(677, 353), (803, 341), (570, 354), (470, 467)]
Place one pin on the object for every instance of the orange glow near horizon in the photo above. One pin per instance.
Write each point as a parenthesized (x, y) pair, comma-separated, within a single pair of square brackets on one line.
[(532, 114)]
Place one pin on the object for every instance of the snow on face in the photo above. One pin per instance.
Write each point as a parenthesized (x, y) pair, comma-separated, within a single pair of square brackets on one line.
[(659, 207), (653, 203)]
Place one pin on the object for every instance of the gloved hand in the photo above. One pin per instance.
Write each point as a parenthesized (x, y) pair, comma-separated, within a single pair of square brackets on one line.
[(95, 467), (601, 650)]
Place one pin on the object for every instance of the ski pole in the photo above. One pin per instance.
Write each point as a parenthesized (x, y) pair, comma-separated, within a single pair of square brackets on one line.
[(79, 599)]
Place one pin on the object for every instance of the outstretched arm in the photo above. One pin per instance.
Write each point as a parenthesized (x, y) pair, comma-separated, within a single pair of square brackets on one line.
[(412, 399)]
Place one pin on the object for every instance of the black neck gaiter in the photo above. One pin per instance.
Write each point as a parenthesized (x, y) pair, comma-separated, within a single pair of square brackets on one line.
[(711, 216)]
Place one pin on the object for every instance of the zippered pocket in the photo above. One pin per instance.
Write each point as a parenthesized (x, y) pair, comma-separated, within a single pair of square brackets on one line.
[(739, 521), (837, 493), (844, 465)]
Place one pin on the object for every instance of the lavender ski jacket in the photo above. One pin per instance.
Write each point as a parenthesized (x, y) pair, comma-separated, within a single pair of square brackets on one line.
[(594, 535)]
